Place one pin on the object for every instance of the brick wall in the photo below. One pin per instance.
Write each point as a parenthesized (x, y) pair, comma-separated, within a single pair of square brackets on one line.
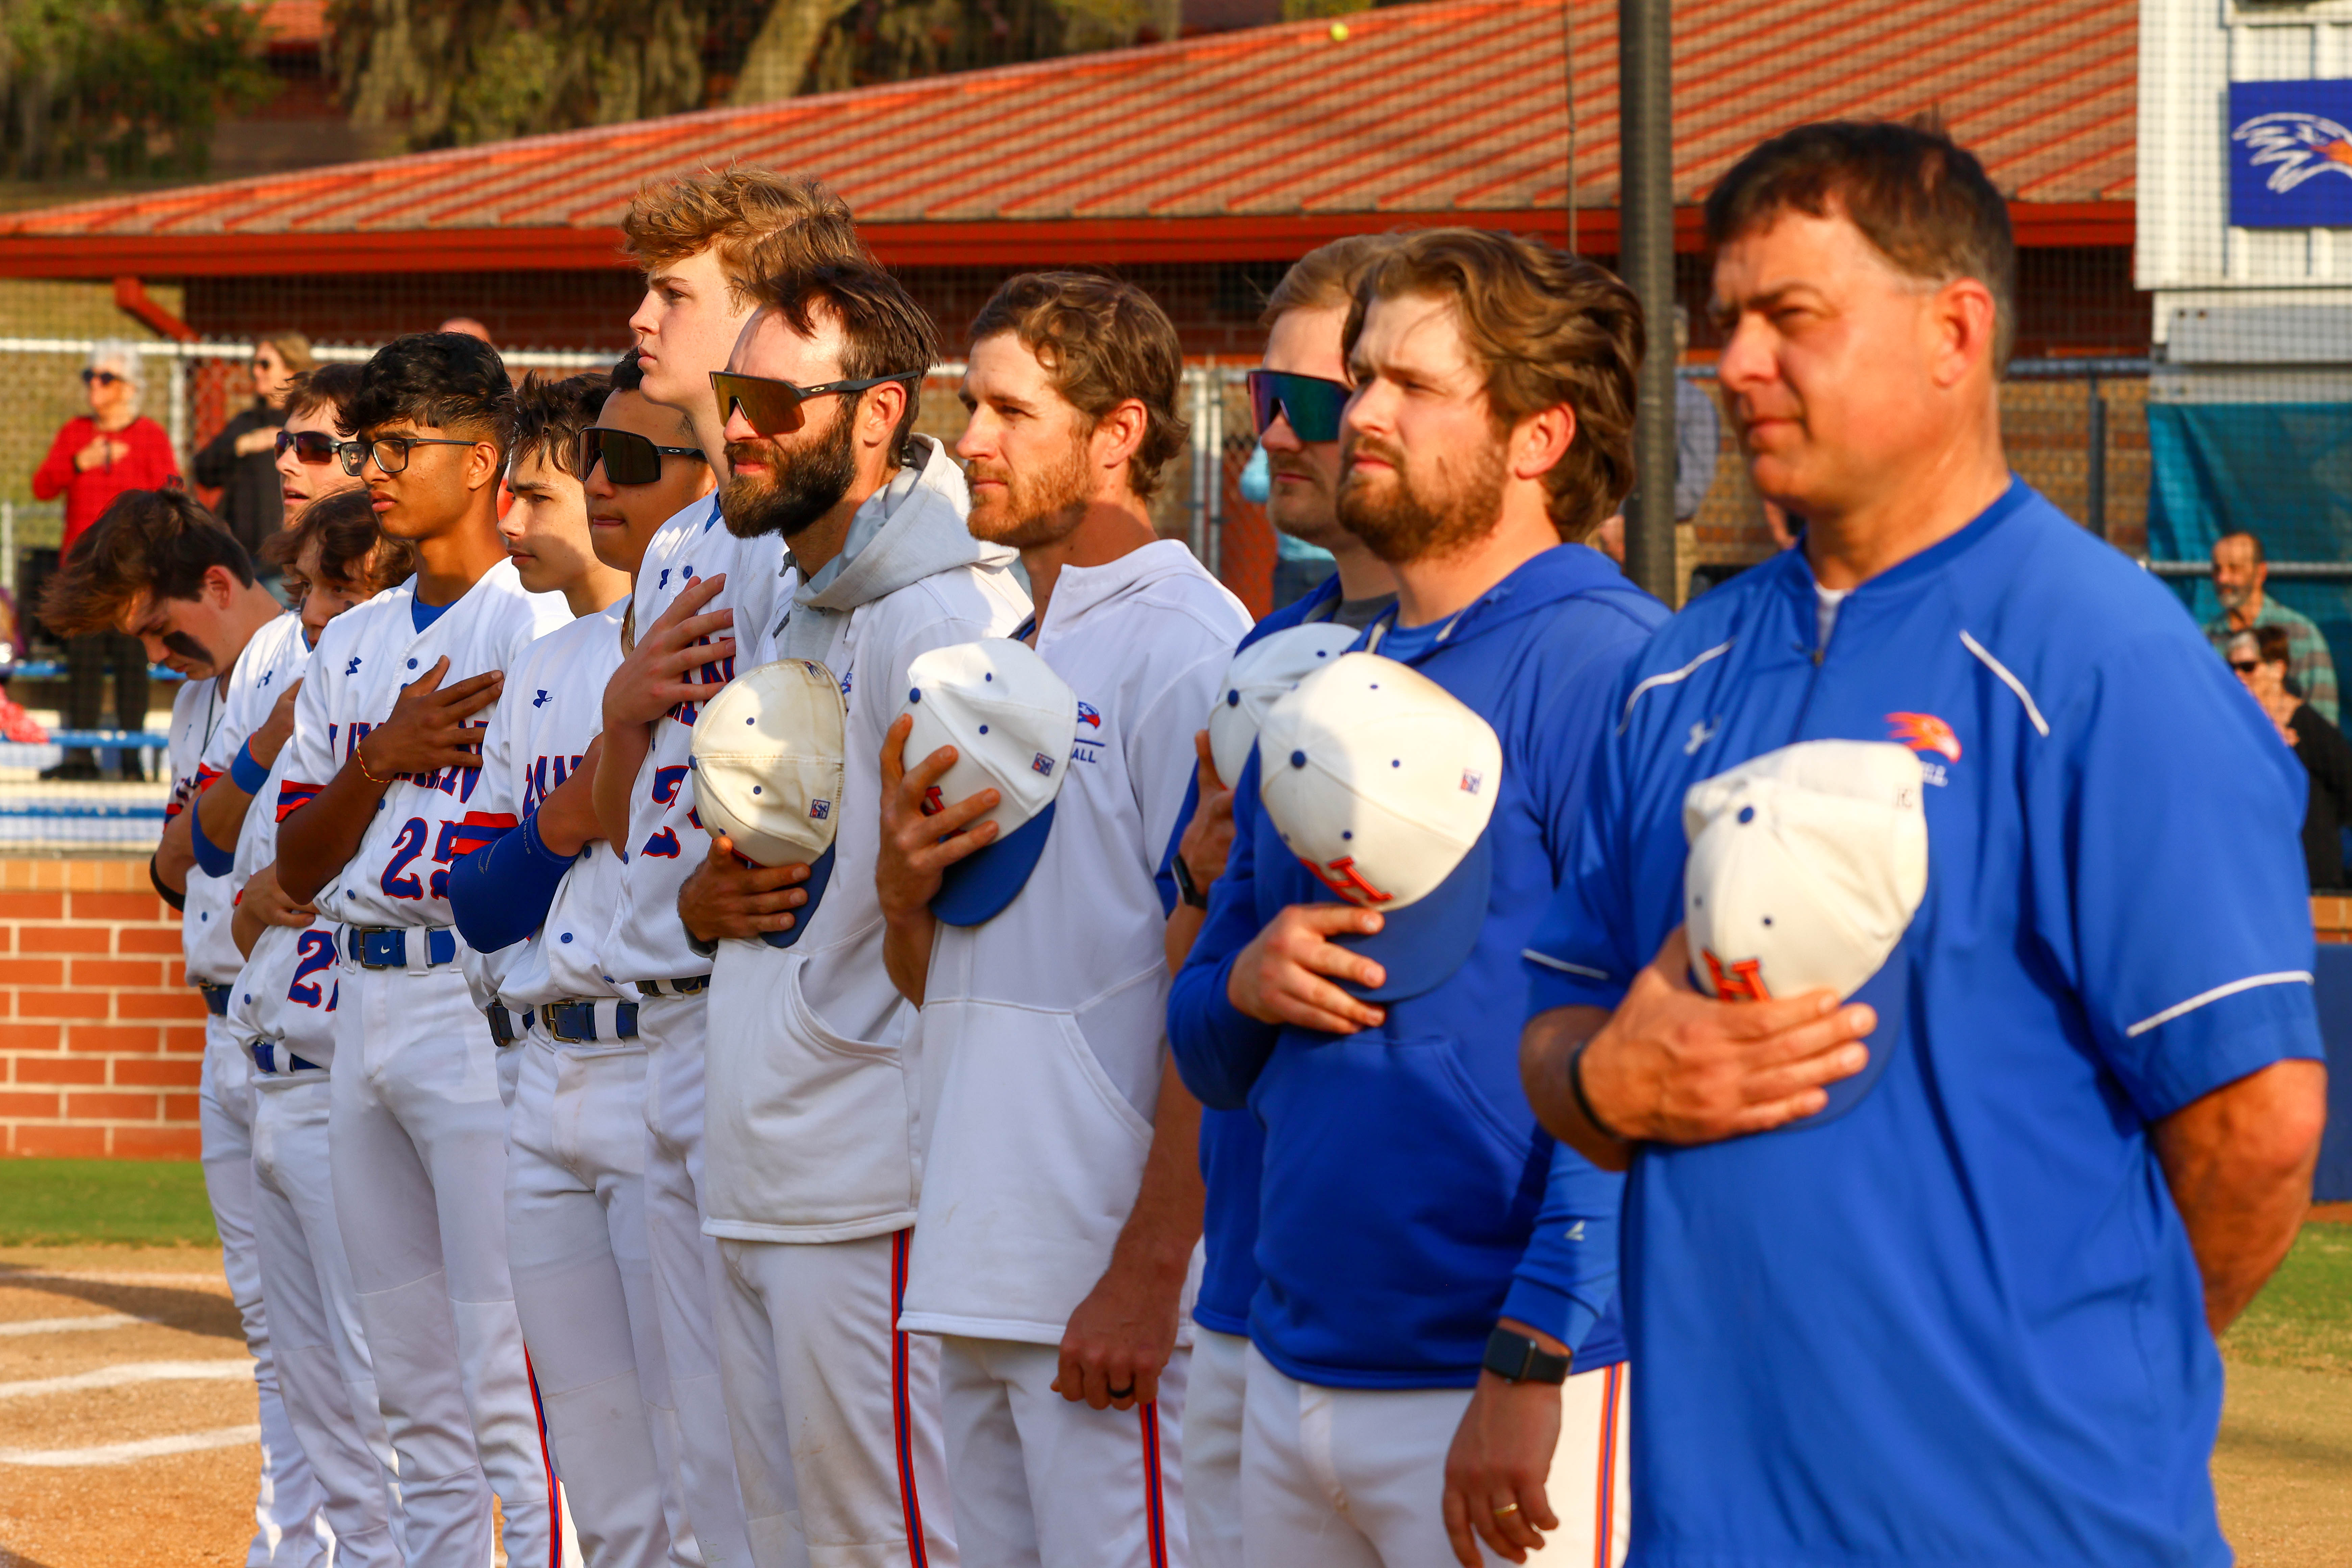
[(100, 1037)]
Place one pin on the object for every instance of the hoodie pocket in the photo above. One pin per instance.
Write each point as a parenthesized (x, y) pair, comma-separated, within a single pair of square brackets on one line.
[(809, 1128)]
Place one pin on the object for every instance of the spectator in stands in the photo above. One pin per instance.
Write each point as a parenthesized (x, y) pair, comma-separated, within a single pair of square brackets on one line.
[(2263, 659), (96, 458), (241, 462), (2241, 573)]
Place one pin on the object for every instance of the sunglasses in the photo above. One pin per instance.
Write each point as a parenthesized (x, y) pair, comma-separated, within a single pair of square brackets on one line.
[(773, 407), (312, 447), (628, 459), (102, 377), (1312, 405), (389, 452), (2248, 667)]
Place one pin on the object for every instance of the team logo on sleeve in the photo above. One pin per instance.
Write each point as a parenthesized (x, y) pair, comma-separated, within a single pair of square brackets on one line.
[(352, 667), (1924, 732), (540, 701)]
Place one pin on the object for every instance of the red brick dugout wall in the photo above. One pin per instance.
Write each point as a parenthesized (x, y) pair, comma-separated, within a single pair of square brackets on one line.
[(100, 1036)]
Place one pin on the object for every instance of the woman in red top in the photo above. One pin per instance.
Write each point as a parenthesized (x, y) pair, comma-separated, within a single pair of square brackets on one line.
[(96, 458)]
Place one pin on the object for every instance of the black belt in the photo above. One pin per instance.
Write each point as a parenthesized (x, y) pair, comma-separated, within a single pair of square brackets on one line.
[(386, 947), (685, 987), (264, 1056), (215, 997), (574, 1023), (506, 1027)]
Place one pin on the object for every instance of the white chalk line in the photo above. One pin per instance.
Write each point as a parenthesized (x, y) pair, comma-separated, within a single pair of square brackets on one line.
[(109, 1276), (70, 1325), (125, 1453), (131, 1372)]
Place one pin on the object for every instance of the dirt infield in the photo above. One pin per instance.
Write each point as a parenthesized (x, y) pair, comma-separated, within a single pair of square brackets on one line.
[(107, 1353)]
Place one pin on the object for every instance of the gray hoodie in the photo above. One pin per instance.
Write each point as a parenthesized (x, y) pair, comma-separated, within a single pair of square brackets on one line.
[(907, 530)]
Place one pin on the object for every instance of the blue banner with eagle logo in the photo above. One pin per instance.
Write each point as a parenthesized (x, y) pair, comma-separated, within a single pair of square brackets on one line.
[(2291, 153)]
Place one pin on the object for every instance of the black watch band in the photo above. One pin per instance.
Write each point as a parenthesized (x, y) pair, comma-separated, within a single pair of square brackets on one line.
[(1516, 1358), (1186, 888)]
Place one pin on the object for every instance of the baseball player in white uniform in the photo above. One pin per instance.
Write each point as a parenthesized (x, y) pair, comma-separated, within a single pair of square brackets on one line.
[(696, 239), (281, 1011), (811, 1169), (382, 786), (158, 567), (1061, 1194), (535, 909)]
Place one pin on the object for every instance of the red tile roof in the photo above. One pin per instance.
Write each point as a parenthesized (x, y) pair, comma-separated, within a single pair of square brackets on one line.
[(1254, 143)]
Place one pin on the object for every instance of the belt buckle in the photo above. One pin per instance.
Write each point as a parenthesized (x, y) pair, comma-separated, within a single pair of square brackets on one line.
[(573, 1023), (383, 947)]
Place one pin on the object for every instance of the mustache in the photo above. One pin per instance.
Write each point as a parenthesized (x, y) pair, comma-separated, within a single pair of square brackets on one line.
[(1387, 452)]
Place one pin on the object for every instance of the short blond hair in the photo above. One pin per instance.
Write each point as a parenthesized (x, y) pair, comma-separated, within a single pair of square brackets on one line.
[(1324, 278), (756, 219)]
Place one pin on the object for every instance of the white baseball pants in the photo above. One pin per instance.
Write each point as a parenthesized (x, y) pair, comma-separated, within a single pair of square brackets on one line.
[(417, 1142), (1038, 1481), (1213, 1447), (286, 1507), (583, 1286), (1355, 1477), (835, 1411), (687, 1279), (325, 1377)]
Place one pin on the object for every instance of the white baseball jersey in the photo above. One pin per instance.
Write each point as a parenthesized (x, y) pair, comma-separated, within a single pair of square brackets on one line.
[(555, 707), (286, 992), (810, 1115), (1043, 1031), (263, 671), (399, 875), (195, 711), (665, 839)]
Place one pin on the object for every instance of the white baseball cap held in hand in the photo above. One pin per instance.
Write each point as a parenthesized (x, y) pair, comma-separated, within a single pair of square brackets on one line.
[(1013, 722), (1806, 866), (1260, 674), (767, 760), (1381, 782)]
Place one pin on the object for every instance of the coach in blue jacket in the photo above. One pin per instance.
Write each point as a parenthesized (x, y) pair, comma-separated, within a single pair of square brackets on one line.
[(1931, 1274), (1414, 1222)]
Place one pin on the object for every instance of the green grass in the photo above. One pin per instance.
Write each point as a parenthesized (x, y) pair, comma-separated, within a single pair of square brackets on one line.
[(2303, 1319), (135, 1203)]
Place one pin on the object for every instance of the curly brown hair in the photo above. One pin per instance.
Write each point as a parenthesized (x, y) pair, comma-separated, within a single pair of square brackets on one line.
[(744, 212), (1545, 329), (1102, 342), (351, 548)]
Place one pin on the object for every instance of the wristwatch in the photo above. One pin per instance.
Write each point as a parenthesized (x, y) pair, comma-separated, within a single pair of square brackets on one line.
[(1516, 1358), (1186, 888)]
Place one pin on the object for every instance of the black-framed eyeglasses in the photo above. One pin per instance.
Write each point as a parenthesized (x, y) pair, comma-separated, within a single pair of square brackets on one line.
[(628, 457), (312, 447), (389, 452), (1312, 405), (100, 377), (773, 407)]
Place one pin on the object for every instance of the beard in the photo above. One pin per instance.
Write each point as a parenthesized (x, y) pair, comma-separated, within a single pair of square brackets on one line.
[(1039, 508), (1409, 514), (802, 483)]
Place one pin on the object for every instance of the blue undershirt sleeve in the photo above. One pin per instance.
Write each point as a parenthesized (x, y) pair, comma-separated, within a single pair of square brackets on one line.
[(1568, 1272), (211, 859), (1219, 1050), (500, 894)]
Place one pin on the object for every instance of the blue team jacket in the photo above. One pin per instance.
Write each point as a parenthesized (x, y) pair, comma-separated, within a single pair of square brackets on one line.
[(1408, 1198), (1954, 1320)]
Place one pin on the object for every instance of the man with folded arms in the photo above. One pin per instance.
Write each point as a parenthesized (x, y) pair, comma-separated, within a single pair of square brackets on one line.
[(1061, 1191), (1928, 1239), (1432, 1262)]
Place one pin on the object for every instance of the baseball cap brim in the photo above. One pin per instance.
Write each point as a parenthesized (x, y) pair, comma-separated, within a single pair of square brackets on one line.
[(1421, 945), (1883, 992), (977, 888), (820, 873)]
